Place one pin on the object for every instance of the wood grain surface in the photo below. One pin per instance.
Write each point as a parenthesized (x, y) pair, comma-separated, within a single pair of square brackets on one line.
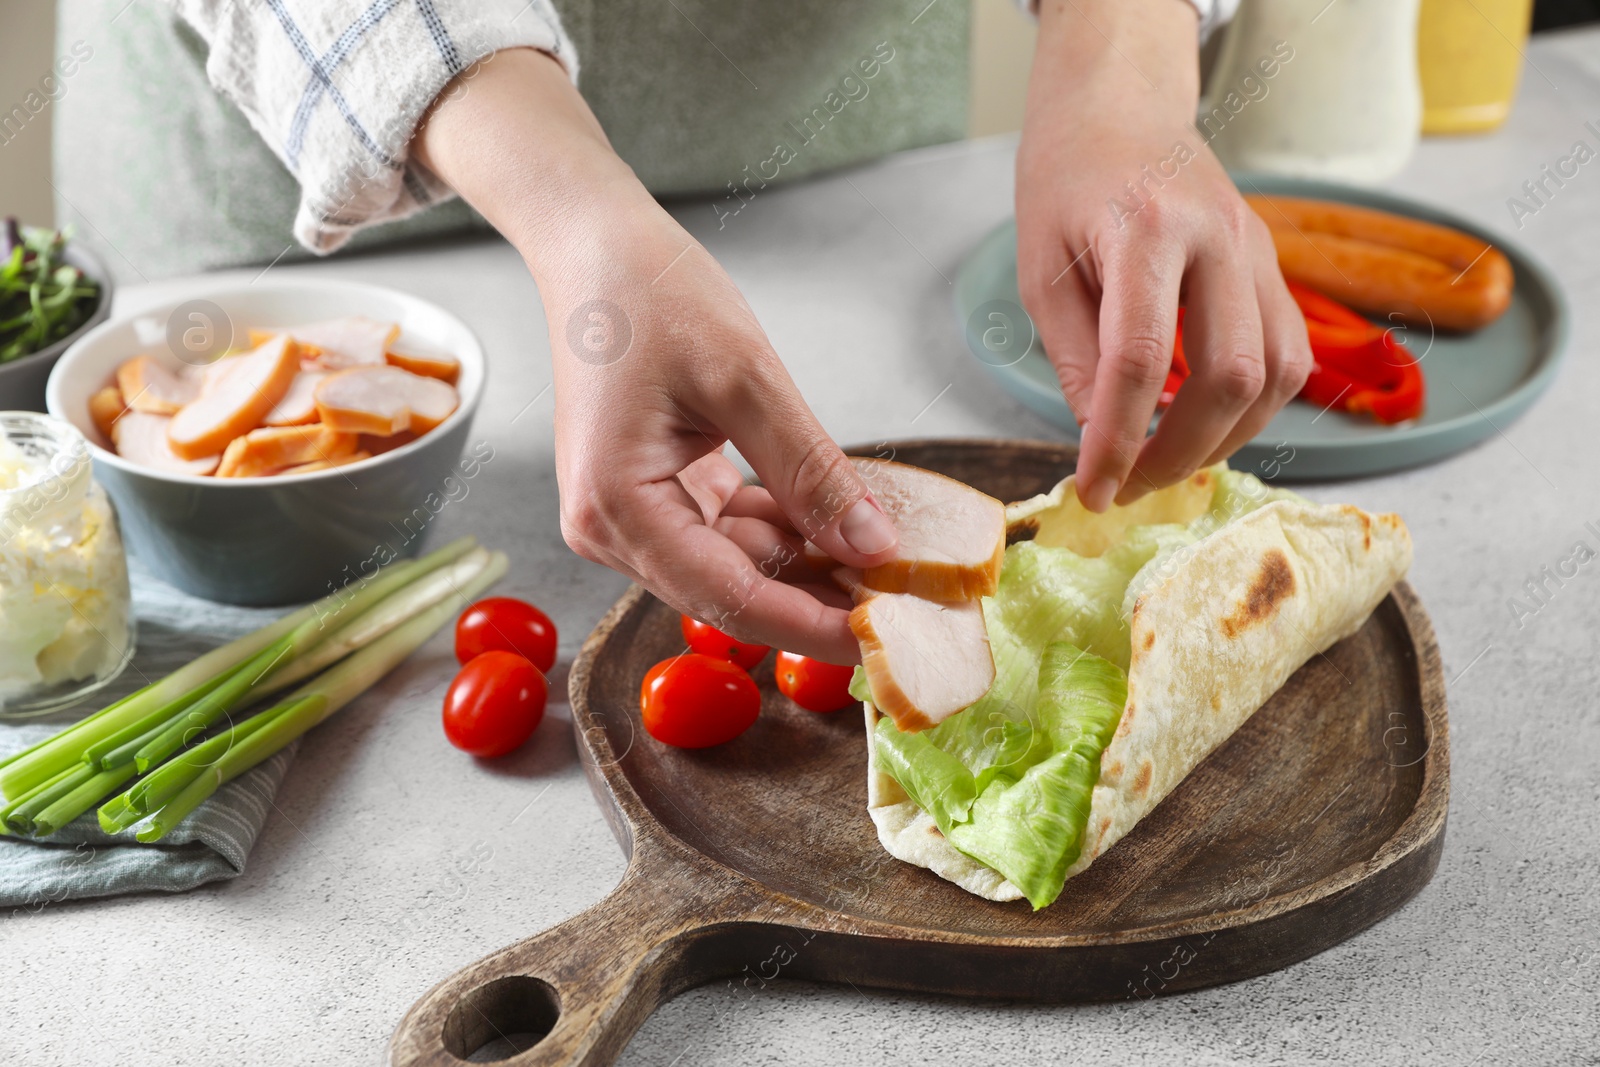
[(756, 860)]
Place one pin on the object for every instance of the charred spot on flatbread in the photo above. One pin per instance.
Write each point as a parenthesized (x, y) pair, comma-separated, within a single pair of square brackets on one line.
[(1125, 724), (1149, 640), (1141, 781), (1272, 585), (1366, 525), (1099, 838), (1022, 530)]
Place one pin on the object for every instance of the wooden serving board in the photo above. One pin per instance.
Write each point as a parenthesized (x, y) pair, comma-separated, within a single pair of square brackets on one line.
[(756, 860)]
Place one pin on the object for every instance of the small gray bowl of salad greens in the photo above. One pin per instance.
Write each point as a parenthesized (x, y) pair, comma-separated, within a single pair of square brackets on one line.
[(51, 291)]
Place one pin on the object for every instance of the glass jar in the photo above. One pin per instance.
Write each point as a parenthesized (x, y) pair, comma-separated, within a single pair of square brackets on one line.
[(66, 625), (1470, 56), (1317, 90)]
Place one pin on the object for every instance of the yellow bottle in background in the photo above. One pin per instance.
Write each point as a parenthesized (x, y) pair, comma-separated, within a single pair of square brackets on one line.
[(1469, 55)]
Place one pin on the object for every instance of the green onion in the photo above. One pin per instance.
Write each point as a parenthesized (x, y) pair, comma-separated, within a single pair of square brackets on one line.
[(173, 694), (20, 819), (115, 814), (377, 621), (312, 703), (208, 709), (82, 797), (100, 751), (17, 805), (166, 781), (342, 643), (15, 756)]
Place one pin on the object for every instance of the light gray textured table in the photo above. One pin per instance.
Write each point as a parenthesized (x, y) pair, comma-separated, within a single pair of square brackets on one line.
[(394, 860)]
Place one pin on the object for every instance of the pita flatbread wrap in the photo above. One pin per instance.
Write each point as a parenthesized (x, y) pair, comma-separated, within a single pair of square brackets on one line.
[(1234, 585)]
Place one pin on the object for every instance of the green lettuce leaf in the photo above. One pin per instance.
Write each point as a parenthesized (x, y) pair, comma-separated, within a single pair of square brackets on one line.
[(1024, 817), (1030, 828)]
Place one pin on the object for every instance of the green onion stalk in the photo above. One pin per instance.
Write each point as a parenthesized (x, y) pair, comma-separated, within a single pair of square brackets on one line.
[(337, 647)]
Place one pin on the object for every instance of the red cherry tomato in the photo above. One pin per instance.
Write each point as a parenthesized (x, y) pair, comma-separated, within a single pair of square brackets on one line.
[(695, 701), (495, 704), (710, 641), (509, 625), (813, 684)]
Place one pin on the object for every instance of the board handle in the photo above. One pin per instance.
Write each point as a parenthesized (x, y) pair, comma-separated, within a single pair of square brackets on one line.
[(586, 985)]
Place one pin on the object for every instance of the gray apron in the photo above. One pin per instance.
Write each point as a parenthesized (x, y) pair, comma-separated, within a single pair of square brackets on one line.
[(711, 97)]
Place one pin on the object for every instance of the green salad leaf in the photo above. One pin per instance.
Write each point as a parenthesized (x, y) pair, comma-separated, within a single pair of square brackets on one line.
[(1024, 811), (1030, 827), (42, 298)]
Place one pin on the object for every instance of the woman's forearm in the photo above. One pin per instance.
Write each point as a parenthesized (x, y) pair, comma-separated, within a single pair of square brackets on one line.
[(1122, 47), (516, 141), (658, 361)]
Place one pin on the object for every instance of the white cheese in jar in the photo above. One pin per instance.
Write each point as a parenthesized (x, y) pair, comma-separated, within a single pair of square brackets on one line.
[(64, 603)]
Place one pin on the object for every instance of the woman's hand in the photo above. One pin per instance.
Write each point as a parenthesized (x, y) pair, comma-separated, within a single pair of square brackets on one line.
[(1123, 214), (658, 363)]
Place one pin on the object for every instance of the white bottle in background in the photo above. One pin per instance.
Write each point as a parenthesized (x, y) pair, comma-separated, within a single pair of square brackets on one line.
[(1342, 101)]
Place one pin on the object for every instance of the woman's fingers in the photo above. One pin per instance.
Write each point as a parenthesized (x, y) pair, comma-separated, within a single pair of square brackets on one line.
[(1138, 322), (754, 502), (712, 481), (703, 573), (776, 553), (1061, 303), (1222, 340), (1286, 354), (806, 474)]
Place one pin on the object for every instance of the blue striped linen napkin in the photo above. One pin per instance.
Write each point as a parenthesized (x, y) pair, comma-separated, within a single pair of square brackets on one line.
[(212, 843)]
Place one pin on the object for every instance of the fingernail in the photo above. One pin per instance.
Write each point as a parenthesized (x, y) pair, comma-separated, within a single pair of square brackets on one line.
[(1097, 496), (867, 530)]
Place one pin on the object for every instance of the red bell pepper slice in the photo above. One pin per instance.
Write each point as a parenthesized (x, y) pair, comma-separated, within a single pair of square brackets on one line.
[(1357, 366)]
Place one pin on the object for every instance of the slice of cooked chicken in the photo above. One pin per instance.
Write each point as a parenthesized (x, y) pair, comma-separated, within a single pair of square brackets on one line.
[(299, 404), (924, 661), (383, 401), (272, 448), (952, 537), (149, 387), (141, 438), (238, 402), (429, 364), (105, 408), (849, 580), (353, 341)]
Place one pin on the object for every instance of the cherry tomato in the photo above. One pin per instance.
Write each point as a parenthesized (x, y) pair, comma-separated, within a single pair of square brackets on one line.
[(494, 704), (710, 641), (695, 701), (813, 684), (509, 625)]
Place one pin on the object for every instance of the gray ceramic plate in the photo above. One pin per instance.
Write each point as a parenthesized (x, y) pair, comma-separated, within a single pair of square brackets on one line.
[(1477, 383)]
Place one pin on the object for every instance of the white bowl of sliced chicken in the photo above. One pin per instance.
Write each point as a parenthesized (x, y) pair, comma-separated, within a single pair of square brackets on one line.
[(266, 443)]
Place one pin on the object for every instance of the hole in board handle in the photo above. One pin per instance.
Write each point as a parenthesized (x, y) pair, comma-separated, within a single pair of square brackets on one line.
[(501, 1018)]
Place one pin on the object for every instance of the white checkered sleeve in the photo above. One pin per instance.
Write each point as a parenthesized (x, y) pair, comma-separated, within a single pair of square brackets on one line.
[(337, 88), (1213, 13)]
